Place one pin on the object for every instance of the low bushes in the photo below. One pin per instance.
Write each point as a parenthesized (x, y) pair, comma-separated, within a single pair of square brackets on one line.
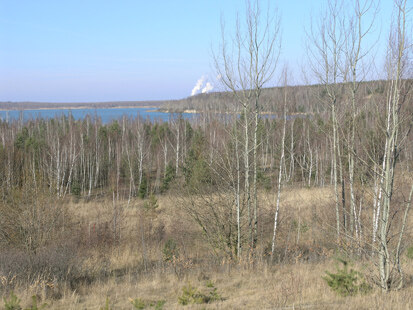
[(347, 282)]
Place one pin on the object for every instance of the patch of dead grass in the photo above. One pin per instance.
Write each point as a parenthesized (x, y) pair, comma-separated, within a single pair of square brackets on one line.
[(283, 286)]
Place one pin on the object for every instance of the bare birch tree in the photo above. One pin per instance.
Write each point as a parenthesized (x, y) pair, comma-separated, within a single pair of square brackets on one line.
[(326, 56), (397, 64), (359, 25), (245, 63), (282, 159)]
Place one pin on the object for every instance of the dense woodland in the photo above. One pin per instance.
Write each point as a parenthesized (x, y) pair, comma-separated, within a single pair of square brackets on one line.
[(133, 159), (87, 157)]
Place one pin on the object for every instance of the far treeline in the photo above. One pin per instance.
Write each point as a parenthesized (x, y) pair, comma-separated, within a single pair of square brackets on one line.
[(305, 99), (76, 105)]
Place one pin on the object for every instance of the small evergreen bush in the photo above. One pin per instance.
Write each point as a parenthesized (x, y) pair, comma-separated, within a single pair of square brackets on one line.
[(76, 188), (34, 305), (151, 204), (139, 304), (191, 295), (169, 176), (13, 303), (143, 188), (170, 250), (158, 305), (346, 282)]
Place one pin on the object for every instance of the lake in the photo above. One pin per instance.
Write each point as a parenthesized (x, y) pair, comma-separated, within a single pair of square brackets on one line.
[(106, 114)]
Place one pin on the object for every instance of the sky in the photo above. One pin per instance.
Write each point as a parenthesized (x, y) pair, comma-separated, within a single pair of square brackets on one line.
[(106, 50)]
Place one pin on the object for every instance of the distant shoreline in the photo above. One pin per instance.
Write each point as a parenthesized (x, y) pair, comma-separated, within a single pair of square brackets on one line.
[(227, 112), (81, 108), (149, 108)]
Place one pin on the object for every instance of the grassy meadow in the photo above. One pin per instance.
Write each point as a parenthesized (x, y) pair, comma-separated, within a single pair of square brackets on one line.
[(139, 265)]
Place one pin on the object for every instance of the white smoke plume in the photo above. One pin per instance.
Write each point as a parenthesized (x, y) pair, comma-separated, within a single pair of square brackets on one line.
[(198, 86), (201, 87), (208, 87)]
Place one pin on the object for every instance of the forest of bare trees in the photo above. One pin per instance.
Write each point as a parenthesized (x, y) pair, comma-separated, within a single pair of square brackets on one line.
[(206, 156)]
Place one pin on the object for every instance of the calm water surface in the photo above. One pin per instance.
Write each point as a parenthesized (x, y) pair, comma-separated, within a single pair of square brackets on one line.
[(107, 115)]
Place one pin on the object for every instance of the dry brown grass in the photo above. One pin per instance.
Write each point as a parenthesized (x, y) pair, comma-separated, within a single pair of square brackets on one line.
[(289, 285), (297, 286)]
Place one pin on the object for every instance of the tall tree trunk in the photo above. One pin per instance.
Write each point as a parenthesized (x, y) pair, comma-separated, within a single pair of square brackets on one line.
[(277, 205)]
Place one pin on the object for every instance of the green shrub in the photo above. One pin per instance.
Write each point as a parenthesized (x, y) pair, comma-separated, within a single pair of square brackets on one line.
[(346, 282), (264, 179), (140, 304), (137, 303), (409, 253), (151, 204), (76, 188), (214, 295), (143, 188), (158, 305), (170, 250), (191, 295), (302, 227), (34, 305), (210, 284), (13, 303), (169, 176)]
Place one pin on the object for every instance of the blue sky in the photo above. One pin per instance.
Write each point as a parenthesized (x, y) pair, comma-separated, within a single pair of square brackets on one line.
[(66, 51)]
